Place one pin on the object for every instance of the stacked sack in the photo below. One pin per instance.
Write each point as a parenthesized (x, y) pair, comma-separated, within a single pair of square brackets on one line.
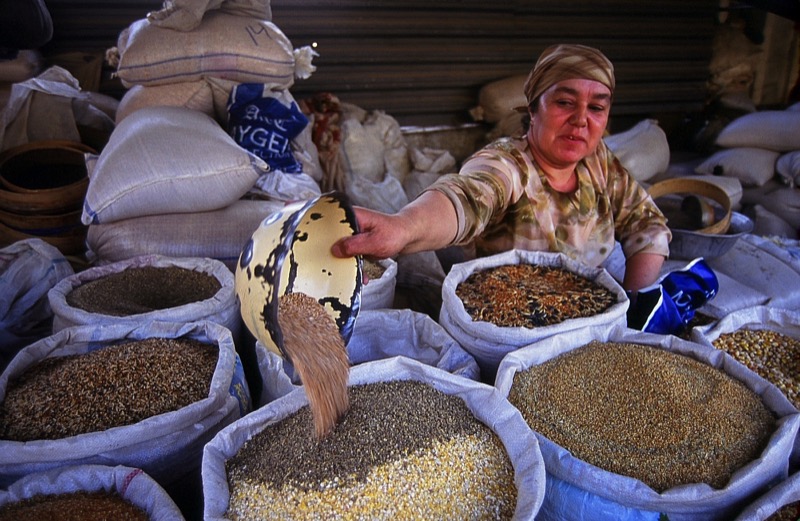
[(762, 150), (196, 159)]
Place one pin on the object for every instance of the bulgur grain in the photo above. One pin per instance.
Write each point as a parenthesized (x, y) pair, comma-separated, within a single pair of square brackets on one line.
[(644, 412), (75, 506)]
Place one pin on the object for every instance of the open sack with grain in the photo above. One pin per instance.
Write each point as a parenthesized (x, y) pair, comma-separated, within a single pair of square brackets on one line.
[(417, 443), (377, 335), (148, 396), (780, 503), (640, 426), (494, 305), (145, 289), (88, 493), (764, 339)]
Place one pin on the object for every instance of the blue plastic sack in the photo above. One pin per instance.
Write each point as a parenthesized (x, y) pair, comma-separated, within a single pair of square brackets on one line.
[(668, 306), (265, 126)]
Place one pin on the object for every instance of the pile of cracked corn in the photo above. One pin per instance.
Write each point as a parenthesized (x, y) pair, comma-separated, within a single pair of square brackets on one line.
[(770, 354), (404, 450)]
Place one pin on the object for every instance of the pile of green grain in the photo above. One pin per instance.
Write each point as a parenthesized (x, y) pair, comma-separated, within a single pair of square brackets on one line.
[(644, 412), (110, 387), (404, 450), (144, 289), (75, 506)]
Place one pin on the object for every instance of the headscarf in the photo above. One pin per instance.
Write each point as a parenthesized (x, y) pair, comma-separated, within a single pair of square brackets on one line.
[(566, 62)]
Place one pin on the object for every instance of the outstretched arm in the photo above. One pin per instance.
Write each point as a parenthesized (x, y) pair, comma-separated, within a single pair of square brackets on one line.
[(427, 223)]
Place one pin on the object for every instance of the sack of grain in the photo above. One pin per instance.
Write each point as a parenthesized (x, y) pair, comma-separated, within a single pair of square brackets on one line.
[(643, 149), (488, 342), (762, 338), (781, 502), (131, 485), (28, 270), (168, 445), (578, 490), (380, 278), (147, 288), (186, 15), (499, 98), (777, 130), (482, 401), (194, 95), (167, 160), (761, 264), (788, 167), (239, 48), (216, 234), (751, 166), (379, 334)]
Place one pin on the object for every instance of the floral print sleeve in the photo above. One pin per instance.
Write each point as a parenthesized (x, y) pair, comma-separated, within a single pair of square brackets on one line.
[(503, 201)]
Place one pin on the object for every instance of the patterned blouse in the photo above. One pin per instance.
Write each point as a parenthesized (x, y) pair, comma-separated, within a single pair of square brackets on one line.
[(504, 201)]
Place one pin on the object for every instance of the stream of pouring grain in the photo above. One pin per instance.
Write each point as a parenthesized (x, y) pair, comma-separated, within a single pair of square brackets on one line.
[(316, 349)]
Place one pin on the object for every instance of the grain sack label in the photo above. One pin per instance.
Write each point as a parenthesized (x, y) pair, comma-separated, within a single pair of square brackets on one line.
[(265, 126)]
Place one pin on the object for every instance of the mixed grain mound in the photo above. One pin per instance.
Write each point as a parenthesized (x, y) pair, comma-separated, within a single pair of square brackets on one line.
[(404, 450), (110, 387), (524, 295), (772, 355), (643, 412), (372, 270), (315, 347), (75, 506), (142, 290)]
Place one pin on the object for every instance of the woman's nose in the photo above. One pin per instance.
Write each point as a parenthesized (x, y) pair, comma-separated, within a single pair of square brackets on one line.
[(578, 117)]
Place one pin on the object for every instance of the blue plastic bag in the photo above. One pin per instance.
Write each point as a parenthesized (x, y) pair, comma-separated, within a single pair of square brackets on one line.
[(265, 126), (668, 306)]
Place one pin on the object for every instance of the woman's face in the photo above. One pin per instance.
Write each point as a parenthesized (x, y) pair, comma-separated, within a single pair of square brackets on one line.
[(568, 123)]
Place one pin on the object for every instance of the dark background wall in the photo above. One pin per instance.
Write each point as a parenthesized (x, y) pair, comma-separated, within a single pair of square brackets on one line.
[(423, 62)]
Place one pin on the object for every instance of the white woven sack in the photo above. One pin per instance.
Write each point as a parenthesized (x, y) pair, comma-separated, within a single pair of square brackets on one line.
[(643, 149), (489, 343), (784, 493), (186, 15), (222, 308), (759, 263), (238, 48), (132, 485), (498, 99), (379, 293), (166, 160), (379, 334), (194, 95), (484, 402), (28, 270), (751, 166), (166, 446), (788, 167), (217, 234), (578, 491), (777, 130)]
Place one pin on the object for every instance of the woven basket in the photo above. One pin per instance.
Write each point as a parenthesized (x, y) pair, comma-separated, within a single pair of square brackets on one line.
[(43, 177)]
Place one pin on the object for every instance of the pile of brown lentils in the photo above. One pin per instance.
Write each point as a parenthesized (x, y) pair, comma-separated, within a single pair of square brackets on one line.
[(772, 355), (644, 412), (76, 506), (110, 387), (404, 450)]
